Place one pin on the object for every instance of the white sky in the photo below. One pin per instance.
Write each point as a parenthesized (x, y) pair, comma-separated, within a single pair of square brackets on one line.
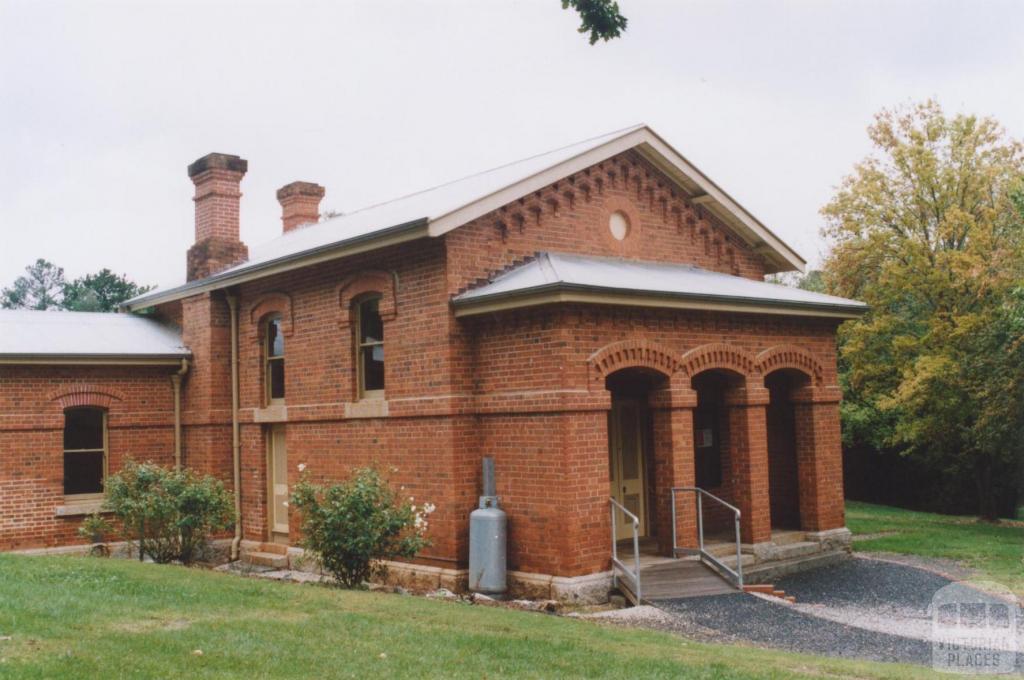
[(102, 105)]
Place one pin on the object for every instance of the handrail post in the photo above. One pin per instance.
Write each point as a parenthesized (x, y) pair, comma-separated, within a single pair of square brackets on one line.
[(675, 541), (739, 553), (700, 522), (636, 559)]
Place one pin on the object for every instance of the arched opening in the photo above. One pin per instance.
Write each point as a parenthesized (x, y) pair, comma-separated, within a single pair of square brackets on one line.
[(712, 443), (783, 442), (631, 446)]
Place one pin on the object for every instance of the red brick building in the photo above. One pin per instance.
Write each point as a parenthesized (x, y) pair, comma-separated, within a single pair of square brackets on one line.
[(595, 318)]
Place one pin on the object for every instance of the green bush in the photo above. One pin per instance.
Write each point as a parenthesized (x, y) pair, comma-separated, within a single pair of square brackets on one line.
[(169, 513), (350, 528)]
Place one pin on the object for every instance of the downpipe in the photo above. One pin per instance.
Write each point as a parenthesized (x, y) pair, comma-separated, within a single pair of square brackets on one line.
[(176, 384), (235, 439)]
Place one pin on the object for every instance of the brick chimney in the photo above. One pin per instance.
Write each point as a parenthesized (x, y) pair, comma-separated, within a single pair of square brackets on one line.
[(218, 245), (300, 204)]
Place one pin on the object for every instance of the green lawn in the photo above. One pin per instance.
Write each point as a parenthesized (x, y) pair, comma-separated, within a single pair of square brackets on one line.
[(95, 618), (995, 550)]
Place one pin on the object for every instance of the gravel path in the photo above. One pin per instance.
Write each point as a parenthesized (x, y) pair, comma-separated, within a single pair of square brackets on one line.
[(862, 608), (743, 617)]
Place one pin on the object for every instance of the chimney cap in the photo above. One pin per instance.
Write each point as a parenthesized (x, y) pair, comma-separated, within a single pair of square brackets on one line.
[(310, 189), (222, 161)]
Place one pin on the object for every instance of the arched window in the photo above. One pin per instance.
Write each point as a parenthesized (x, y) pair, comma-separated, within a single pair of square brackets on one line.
[(85, 452), (370, 348), (274, 353)]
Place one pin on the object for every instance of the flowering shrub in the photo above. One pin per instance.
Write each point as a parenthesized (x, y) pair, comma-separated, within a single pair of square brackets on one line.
[(351, 527), (169, 513)]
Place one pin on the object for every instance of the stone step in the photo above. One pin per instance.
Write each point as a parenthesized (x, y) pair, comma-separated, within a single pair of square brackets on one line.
[(767, 572), (267, 559), (720, 549), (787, 537), (276, 548), (788, 551), (730, 560)]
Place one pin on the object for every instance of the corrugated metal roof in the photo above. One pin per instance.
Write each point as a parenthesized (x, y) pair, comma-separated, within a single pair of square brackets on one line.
[(29, 333), (556, 271), (419, 207)]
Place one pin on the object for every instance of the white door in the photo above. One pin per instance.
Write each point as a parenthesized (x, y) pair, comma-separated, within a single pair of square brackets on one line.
[(278, 478), (625, 440)]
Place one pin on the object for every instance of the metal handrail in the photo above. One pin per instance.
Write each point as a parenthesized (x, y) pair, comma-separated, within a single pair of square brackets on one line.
[(737, 573), (616, 562)]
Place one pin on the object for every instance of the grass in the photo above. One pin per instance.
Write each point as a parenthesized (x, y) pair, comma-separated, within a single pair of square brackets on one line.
[(995, 550), (73, 617)]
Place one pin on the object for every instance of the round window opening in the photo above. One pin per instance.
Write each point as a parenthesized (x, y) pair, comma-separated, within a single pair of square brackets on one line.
[(618, 223)]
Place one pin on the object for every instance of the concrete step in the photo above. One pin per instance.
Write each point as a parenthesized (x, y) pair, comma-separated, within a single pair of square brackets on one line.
[(267, 559), (721, 549)]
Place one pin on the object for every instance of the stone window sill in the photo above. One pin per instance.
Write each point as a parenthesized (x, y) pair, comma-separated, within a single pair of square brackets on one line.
[(367, 408), (275, 413), (78, 508)]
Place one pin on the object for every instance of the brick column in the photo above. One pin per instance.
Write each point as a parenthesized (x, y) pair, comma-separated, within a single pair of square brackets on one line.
[(672, 411), (748, 455), (819, 458)]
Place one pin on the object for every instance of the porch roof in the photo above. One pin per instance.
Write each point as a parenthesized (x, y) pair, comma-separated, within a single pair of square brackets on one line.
[(50, 337), (559, 277)]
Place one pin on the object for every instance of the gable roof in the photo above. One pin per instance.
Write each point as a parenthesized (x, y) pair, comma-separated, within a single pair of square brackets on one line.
[(557, 277), (31, 336), (438, 210)]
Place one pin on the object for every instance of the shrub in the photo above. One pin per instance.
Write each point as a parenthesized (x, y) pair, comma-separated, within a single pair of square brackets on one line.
[(169, 513), (94, 528), (351, 527)]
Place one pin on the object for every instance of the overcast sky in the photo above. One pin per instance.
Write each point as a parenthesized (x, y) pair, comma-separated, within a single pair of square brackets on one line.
[(102, 105)]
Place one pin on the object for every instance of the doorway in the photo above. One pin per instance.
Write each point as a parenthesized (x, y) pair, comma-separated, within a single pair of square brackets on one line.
[(783, 472), (630, 446), (277, 482), (626, 469)]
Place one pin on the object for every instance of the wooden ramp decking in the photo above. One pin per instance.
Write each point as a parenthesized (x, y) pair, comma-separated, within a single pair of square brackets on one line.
[(664, 578)]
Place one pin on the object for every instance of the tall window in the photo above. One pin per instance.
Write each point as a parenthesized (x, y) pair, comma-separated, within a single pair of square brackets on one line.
[(85, 451), (370, 350), (274, 352)]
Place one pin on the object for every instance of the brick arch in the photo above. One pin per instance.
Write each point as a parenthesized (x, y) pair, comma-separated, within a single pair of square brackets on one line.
[(368, 281), (272, 303), (631, 354), (719, 356), (792, 357), (85, 394)]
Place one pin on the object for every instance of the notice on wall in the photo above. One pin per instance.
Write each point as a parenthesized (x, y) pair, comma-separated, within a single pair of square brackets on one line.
[(704, 438)]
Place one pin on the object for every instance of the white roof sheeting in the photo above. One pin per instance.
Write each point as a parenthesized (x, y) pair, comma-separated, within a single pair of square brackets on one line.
[(436, 211), (27, 334), (555, 272)]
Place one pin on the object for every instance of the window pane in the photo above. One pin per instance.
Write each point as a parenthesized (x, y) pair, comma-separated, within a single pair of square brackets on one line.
[(83, 428), (276, 370), (373, 367), (370, 327), (83, 472), (275, 341)]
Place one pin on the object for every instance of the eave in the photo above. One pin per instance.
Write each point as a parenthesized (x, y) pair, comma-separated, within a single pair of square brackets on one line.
[(570, 293)]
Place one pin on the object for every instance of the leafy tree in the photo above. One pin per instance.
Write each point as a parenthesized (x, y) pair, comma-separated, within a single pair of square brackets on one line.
[(41, 287), (929, 230), (100, 292), (600, 18)]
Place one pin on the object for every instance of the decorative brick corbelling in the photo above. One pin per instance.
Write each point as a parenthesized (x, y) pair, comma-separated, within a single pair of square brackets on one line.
[(85, 394), (791, 357), (368, 281), (266, 305), (719, 356), (630, 354)]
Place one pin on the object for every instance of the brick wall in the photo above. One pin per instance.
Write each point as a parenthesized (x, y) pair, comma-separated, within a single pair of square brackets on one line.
[(140, 418)]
